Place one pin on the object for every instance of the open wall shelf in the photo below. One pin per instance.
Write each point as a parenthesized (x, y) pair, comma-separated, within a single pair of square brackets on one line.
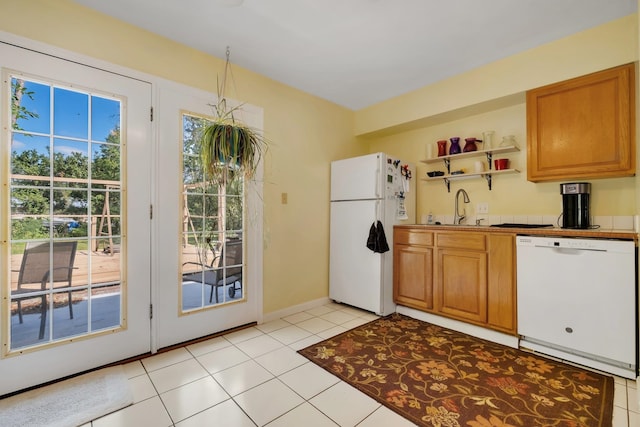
[(448, 177)]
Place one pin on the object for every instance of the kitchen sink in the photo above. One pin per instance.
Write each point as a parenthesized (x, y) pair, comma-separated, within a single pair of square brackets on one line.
[(516, 225)]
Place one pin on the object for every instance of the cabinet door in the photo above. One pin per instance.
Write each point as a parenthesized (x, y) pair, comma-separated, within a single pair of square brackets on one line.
[(583, 127), (461, 284), (413, 276), (501, 289)]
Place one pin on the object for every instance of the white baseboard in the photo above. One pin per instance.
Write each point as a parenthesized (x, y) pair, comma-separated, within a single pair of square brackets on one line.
[(473, 330), (275, 315)]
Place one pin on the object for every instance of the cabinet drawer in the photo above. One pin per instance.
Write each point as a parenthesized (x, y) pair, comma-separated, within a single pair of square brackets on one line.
[(413, 237), (466, 240)]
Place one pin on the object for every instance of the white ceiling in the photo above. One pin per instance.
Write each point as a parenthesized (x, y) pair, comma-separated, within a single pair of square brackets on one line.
[(360, 52)]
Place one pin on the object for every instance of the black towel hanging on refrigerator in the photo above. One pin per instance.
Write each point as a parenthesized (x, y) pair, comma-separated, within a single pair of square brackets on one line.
[(377, 241)]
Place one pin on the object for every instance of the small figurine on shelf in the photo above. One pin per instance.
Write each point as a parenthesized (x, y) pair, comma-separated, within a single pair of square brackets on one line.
[(455, 145)]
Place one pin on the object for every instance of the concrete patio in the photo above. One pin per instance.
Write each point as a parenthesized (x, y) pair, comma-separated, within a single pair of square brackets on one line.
[(105, 314)]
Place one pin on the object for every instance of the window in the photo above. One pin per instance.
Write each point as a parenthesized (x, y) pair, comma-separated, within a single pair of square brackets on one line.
[(65, 193), (212, 225)]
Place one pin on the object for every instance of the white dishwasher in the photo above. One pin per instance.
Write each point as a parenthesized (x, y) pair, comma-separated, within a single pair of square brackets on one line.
[(577, 301)]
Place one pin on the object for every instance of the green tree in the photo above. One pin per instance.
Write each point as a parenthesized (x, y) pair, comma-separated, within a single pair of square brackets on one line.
[(192, 129), (106, 166), (29, 162), (106, 163), (30, 201), (28, 228), (18, 111), (73, 165), (33, 197), (24, 200)]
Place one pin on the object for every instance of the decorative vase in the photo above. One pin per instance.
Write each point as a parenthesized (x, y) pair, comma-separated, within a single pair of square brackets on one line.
[(442, 147), (470, 145), (508, 141), (487, 139), (455, 145)]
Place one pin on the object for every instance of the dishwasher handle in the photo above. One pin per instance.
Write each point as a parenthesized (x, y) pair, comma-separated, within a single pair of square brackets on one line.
[(569, 251)]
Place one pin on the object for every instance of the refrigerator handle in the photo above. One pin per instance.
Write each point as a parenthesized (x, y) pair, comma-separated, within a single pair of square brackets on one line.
[(378, 180), (377, 210)]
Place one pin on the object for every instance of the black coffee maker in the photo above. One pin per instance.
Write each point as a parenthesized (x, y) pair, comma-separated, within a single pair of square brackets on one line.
[(575, 204)]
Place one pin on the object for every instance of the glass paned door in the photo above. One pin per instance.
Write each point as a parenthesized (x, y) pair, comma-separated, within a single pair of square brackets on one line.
[(75, 231), (208, 248), (65, 192)]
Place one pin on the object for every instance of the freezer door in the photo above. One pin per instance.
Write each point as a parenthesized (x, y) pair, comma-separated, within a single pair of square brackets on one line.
[(355, 271), (358, 178)]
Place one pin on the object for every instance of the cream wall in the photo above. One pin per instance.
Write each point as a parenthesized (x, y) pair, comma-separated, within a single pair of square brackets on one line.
[(307, 133), (492, 98)]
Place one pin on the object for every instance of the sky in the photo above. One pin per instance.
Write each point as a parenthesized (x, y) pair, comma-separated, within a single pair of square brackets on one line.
[(77, 117)]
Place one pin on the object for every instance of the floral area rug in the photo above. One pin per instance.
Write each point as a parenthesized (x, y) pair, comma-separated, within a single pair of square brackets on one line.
[(437, 377)]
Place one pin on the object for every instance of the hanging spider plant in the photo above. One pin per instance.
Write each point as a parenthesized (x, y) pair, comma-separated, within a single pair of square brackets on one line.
[(228, 147)]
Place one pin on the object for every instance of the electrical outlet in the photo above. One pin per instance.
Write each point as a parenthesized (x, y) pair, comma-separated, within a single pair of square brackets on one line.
[(482, 208), (285, 198)]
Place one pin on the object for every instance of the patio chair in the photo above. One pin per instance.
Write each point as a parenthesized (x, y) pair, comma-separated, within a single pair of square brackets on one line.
[(231, 252), (36, 269)]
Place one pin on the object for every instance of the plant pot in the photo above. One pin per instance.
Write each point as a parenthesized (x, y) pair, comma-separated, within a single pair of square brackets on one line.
[(228, 148)]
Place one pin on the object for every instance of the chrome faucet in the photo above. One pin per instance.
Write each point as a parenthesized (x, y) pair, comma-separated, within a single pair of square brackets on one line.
[(457, 218)]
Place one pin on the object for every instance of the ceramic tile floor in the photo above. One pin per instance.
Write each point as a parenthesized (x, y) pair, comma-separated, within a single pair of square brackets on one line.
[(254, 377)]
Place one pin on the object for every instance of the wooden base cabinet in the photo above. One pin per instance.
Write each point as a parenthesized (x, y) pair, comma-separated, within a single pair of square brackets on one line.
[(467, 276), (413, 269), (501, 282), (461, 284)]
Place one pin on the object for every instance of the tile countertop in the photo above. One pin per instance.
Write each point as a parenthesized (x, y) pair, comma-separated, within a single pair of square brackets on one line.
[(597, 233)]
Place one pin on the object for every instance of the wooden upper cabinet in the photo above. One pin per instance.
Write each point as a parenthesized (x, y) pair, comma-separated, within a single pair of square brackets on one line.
[(583, 127)]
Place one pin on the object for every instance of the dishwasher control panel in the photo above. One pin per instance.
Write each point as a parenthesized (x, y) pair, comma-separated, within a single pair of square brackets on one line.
[(572, 243)]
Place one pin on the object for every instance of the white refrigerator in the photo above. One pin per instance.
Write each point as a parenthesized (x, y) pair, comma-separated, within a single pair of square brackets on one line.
[(365, 190)]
